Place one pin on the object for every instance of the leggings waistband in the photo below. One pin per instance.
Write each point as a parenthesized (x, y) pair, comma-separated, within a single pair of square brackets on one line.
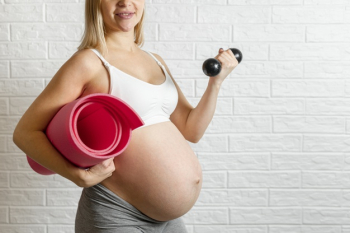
[(101, 195)]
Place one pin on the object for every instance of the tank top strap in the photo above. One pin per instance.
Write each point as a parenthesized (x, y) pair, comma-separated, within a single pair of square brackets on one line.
[(105, 63), (159, 63)]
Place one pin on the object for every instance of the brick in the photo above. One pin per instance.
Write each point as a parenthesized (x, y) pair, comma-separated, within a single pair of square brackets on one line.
[(304, 229), (34, 69), (194, 32), (327, 2), (3, 146), (308, 88), (265, 179), (67, 197), (307, 198), (234, 14), (150, 31), (190, 2), (321, 179), (265, 216), (13, 162), (21, 13), (21, 87), (4, 106), (189, 229), (264, 142), (167, 13), (3, 215), (346, 229), (18, 105), (4, 69), (60, 229), (265, 2), (347, 88), (69, 12), (322, 106), (326, 143), (4, 179), (23, 50), (240, 88), (34, 180), (308, 124), (206, 216), (310, 52), (234, 161), (171, 50), (45, 31), (307, 161), (268, 106), (40, 215), (22, 229), (38, 1), (326, 216), (233, 197), (62, 50), (327, 33), (268, 70), (308, 14), (229, 229), (269, 33), (244, 124), (214, 179), (328, 70), (22, 197), (4, 32)]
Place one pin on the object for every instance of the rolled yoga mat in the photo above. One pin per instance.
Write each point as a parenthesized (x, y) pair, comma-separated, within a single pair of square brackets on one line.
[(90, 129)]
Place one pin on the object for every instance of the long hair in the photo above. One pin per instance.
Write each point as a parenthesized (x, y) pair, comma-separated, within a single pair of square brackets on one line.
[(94, 34)]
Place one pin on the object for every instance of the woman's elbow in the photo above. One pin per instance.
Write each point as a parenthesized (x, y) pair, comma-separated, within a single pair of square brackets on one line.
[(16, 136), (194, 139)]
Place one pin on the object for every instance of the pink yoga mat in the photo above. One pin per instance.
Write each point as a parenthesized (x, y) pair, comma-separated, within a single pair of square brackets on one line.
[(91, 129)]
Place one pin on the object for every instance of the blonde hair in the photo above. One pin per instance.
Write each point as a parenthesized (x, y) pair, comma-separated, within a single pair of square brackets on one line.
[(94, 34)]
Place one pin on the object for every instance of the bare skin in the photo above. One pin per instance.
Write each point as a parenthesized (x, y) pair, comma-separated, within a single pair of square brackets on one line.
[(158, 173)]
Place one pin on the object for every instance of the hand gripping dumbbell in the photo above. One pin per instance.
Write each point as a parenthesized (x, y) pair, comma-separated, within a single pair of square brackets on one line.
[(212, 67)]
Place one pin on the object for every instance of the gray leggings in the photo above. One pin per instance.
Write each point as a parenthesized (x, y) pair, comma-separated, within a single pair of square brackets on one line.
[(102, 211)]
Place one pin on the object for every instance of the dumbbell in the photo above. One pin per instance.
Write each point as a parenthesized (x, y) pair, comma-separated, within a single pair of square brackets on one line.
[(212, 67)]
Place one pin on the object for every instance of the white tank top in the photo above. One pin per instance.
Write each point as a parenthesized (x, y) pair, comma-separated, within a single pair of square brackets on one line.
[(153, 103)]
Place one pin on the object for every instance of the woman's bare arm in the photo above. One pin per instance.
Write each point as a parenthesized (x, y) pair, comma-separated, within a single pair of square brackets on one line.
[(67, 85)]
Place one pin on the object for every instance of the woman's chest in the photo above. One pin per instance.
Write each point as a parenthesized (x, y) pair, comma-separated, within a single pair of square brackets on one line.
[(142, 67)]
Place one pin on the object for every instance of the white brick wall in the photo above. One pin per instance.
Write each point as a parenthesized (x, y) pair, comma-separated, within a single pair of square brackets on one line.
[(276, 156)]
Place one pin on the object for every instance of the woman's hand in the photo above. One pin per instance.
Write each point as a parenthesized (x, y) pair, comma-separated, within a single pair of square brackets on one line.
[(95, 174), (228, 63)]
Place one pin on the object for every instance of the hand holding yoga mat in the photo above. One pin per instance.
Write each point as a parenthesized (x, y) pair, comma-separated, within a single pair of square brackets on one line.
[(90, 129)]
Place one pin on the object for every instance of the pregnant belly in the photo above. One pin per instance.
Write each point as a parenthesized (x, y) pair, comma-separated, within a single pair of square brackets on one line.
[(158, 173)]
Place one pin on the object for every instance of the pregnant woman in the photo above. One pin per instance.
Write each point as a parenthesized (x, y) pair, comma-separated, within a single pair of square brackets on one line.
[(158, 178)]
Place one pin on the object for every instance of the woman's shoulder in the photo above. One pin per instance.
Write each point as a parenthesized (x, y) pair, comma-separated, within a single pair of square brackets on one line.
[(85, 57), (84, 61)]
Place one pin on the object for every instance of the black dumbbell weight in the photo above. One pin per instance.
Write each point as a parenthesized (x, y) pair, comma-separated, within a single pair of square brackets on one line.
[(212, 67)]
